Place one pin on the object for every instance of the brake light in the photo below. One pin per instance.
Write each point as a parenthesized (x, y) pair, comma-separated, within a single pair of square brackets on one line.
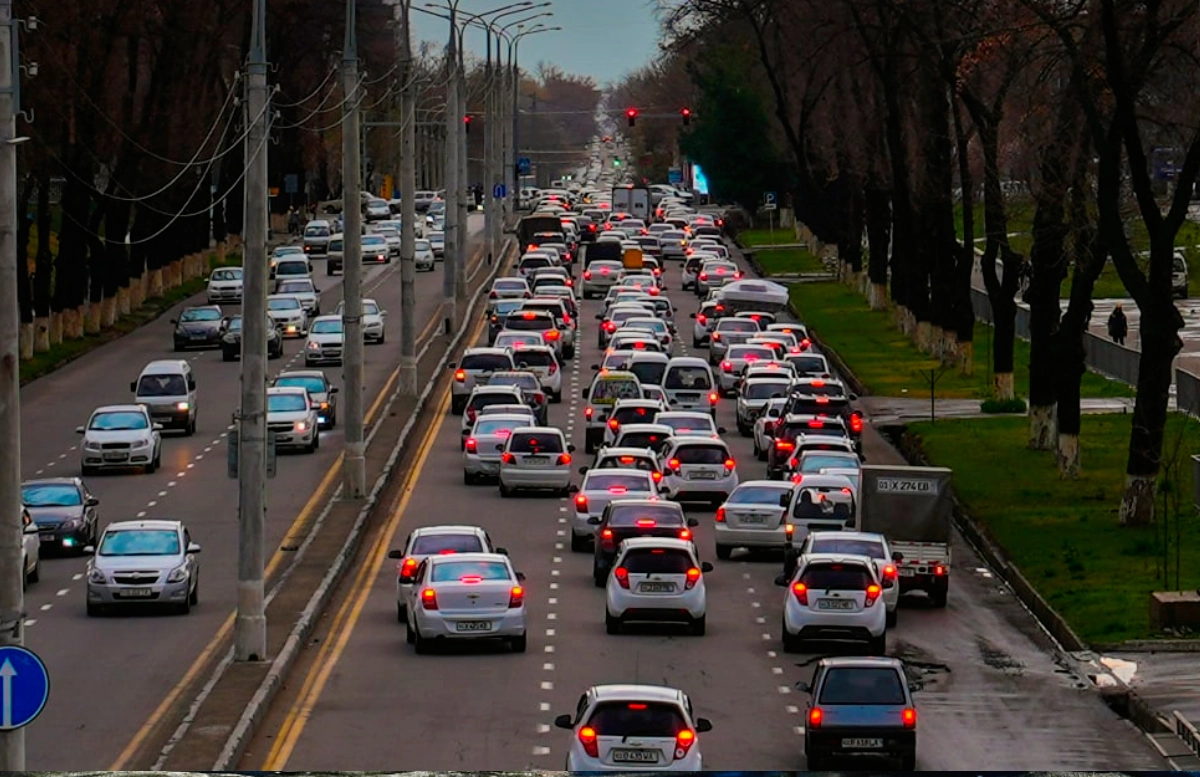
[(581, 503), (407, 568), (801, 592), (622, 576), (564, 459), (610, 327), (587, 738), (618, 490), (872, 594), (939, 570), (816, 424), (889, 572), (429, 599), (847, 491), (815, 716), (716, 335), (493, 295), (472, 579), (683, 742), (472, 445), (460, 375), (727, 366), (720, 515), (551, 334), (516, 597), (822, 400), (856, 423), (701, 319), (614, 424), (673, 464), (713, 398), (805, 343), (685, 534), (587, 413), (693, 576), (730, 464), (703, 276), (646, 522), (783, 445), (587, 275), (788, 529), (656, 477), (909, 717), (606, 539), (472, 413), (553, 368), (508, 458)]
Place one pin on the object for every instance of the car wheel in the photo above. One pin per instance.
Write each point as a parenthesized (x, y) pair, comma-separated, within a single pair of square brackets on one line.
[(468, 478), (191, 427), (556, 397), (612, 624), (184, 608), (152, 466), (316, 443), (178, 347), (698, 626), (579, 544), (877, 646), (792, 643), (744, 430), (599, 577), (86, 471), (400, 614), (410, 636), (569, 353), (505, 491), (421, 644), (761, 454), (892, 617), (94, 610), (519, 644), (457, 405), (227, 356), (815, 763), (194, 596), (908, 762), (382, 338), (695, 343), (724, 552)]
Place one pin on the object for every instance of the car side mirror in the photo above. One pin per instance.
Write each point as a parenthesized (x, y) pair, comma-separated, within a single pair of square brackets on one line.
[(156, 427), (706, 566), (501, 551), (595, 368), (193, 548), (582, 471), (133, 386), (91, 501), (192, 384), (720, 430), (575, 489), (207, 278), (174, 321), (802, 686), (594, 521), (570, 447), (693, 523), (691, 315), (853, 397), (913, 687), (564, 721), (897, 556), (89, 550), (520, 577), (703, 725), (781, 581), (78, 430), (583, 394), (785, 499), (333, 390), (397, 554), (451, 365)]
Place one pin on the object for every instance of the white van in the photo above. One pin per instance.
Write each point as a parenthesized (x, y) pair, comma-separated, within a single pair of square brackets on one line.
[(167, 388), (689, 385)]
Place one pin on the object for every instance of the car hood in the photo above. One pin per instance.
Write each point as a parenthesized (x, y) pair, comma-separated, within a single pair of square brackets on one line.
[(372, 319), (332, 338), (225, 284), (131, 563), (48, 517), (124, 435), (280, 416), (285, 315), (199, 327)]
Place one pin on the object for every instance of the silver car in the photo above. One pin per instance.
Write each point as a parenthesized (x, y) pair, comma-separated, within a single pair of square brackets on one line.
[(429, 541), (225, 285), (374, 320), (599, 487), (599, 277), (326, 341), (437, 239), (304, 290), (287, 311), (119, 437), (752, 518), (481, 459), (293, 419), (535, 457), (143, 562)]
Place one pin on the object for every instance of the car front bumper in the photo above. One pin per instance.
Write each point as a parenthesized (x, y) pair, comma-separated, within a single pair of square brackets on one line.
[(106, 459), (156, 593)]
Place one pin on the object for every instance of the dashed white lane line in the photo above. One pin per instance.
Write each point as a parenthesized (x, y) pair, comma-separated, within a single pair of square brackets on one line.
[(541, 750), (548, 667), (548, 649), (543, 728), (46, 607), (31, 621), (77, 576), (62, 592), (547, 685), (544, 706), (550, 616), (141, 514)]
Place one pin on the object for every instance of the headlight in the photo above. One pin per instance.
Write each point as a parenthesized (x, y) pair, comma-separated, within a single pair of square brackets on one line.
[(230, 338), (178, 575), (91, 445), (142, 443), (70, 524), (96, 576), (313, 345), (181, 406), (301, 426)]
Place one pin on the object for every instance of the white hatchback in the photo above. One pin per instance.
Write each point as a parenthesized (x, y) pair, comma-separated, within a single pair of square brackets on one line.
[(697, 470), (752, 518), (599, 488), (466, 596), (535, 457), (834, 597), (657, 579)]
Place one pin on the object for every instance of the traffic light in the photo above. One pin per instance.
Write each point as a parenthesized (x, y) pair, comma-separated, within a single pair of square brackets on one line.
[(686, 113), (631, 114), (616, 161), (467, 124)]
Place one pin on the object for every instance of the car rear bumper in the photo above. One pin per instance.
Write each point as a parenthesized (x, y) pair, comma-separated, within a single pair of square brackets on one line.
[(839, 741), (750, 538), (474, 464), (509, 624), (551, 477)]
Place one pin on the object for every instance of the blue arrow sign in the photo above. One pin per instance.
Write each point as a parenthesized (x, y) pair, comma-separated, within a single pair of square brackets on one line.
[(499, 191), (24, 687), (525, 165)]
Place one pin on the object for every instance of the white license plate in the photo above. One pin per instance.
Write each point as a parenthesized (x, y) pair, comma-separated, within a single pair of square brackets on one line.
[(116, 456), (752, 519), (47, 538), (635, 756), (863, 744), (835, 604), (474, 626), (537, 459), (702, 476), (141, 592), (656, 588), (907, 572)]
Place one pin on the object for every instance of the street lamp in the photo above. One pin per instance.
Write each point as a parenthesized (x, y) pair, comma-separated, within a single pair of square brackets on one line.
[(514, 51)]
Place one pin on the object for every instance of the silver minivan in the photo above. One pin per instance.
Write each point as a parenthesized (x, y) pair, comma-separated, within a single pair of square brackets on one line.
[(689, 385), (167, 388)]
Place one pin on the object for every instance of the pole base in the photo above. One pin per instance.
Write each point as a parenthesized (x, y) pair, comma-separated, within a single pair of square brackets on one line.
[(250, 625), (354, 471)]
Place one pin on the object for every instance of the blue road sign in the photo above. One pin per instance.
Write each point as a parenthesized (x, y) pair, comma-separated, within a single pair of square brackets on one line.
[(674, 175), (291, 183), (525, 165), (499, 191), (769, 198), (24, 687)]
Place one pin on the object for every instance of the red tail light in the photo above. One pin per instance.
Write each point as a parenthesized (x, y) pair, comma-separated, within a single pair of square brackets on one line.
[(716, 335), (815, 716), (856, 423), (805, 343), (610, 327), (701, 319), (889, 572), (720, 515), (939, 570), (822, 400), (816, 423), (493, 295), (587, 413), (508, 458), (656, 477), (564, 459), (783, 445), (683, 743), (622, 576), (730, 464), (588, 738), (429, 599), (693, 576), (646, 523), (801, 592), (872, 594), (553, 368), (581, 503), (713, 398), (673, 464), (703, 276), (551, 335), (614, 424), (727, 366), (685, 534), (909, 717), (472, 445), (606, 539), (407, 568), (516, 597), (460, 375)]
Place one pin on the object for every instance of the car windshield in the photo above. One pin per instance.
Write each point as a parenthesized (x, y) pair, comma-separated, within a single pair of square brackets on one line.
[(852, 547), (286, 403), (836, 577), (422, 245), (661, 514), (374, 240), (283, 304), (817, 463), (862, 685), (370, 308), (227, 275), (203, 314), (505, 308), (140, 542), (617, 483), (534, 261), (765, 390), (455, 571), (688, 424), (644, 463), (51, 495), (235, 324), (316, 232), (313, 385), (330, 327), (161, 386), (528, 442), (756, 495), (296, 287), (499, 428), (433, 544), (688, 379), (521, 323), (649, 372), (637, 719), (701, 454)]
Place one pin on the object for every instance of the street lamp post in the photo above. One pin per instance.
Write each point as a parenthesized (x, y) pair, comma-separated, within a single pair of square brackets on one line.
[(514, 51)]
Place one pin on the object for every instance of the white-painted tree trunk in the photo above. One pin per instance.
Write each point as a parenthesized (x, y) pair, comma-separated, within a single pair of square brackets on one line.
[(1068, 456), (1041, 427), (877, 296), (925, 340), (56, 328), (95, 318), (41, 334), (26, 342), (1002, 385), (79, 322), (966, 358), (1137, 505), (155, 288)]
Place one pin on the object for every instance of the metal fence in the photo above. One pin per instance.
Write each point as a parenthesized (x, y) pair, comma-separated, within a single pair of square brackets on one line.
[(1186, 730)]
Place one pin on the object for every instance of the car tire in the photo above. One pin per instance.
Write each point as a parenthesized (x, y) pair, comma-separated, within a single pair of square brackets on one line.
[(191, 427), (185, 608), (86, 471), (152, 467), (939, 594), (698, 626), (227, 356), (612, 624), (908, 762), (877, 646), (569, 353), (94, 610), (724, 552), (410, 636), (505, 491), (599, 576), (579, 544), (792, 643), (519, 644), (556, 397), (382, 338), (744, 430), (892, 617), (194, 596), (316, 443), (761, 454), (179, 348), (814, 763), (695, 343), (420, 644), (468, 478)]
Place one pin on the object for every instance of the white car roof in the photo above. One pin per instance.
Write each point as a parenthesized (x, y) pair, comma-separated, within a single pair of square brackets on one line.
[(640, 473), (122, 409), (824, 481), (656, 542), (632, 692), (630, 451), (287, 390), (422, 531), (144, 524), (838, 558), (688, 361)]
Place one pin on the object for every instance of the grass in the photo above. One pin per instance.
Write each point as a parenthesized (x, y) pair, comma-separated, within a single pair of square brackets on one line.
[(789, 261), (752, 238), (69, 350), (887, 362), (1064, 535)]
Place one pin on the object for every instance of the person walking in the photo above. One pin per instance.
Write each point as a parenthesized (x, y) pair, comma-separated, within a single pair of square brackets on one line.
[(1118, 325)]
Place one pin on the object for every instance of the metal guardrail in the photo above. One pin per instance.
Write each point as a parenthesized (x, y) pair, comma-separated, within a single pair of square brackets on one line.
[(1186, 730)]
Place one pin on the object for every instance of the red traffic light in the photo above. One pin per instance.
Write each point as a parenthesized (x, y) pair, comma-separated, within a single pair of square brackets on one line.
[(631, 114), (467, 123), (686, 113)]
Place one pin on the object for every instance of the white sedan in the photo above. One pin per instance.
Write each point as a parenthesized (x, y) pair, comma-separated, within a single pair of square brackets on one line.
[(657, 579), (535, 457), (466, 596), (373, 320), (423, 256), (120, 436), (225, 285)]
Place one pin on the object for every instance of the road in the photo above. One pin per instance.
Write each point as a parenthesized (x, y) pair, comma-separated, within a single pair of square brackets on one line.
[(109, 674), (362, 699)]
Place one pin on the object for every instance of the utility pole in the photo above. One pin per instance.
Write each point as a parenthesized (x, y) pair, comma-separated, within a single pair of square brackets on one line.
[(250, 626), (464, 230), (489, 130), (408, 210), (12, 572), (454, 125), (354, 465), (495, 122), (516, 119)]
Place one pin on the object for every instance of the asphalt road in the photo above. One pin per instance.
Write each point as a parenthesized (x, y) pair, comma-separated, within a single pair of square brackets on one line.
[(109, 674), (362, 699)]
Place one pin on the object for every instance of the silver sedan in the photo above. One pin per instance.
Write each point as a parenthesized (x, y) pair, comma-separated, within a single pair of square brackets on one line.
[(466, 596)]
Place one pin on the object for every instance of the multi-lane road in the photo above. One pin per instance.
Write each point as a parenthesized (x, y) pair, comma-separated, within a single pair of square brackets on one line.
[(109, 674), (992, 690)]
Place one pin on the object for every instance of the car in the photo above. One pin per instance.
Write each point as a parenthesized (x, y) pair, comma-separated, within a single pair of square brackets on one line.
[(231, 341), (533, 261), (674, 244), (423, 255), (563, 322), (654, 326), (377, 210), (705, 320), (531, 390), (634, 340), (870, 544), (598, 277), (375, 249), (466, 596), (120, 437), (199, 327), (650, 368), (751, 518), (814, 462), (293, 419), (827, 397), (737, 357), (481, 459), (535, 457), (646, 437), (820, 440), (630, 411), (429, 541), (289, 266), (541, 361), (753, 398), (623, 727), (627, 517), (604, 392), (64, 511), (599, 487), (437, 241), (612, 320), (391, 233), (690, 424), (764, 427), (657, 393), (143, 562), (509, 288), (31, 550), (326, 341), (809, 365), (786, 439), (540, 324), (615, 457), (699, 470), (859, 706), (483, 396), (304, 290), (730, 330), (834, 596), (225, 285), (316, 237), (168, 389), (288, 313), (657, 579), (477, 366), (322, 393), (818, 503), (374, 320)]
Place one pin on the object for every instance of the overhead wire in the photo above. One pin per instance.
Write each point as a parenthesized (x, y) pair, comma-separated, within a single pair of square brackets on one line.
[(332, 70)]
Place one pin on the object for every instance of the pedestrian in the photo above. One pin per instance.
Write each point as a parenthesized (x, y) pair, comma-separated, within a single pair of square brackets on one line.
[(1118, 325), (293, 221)]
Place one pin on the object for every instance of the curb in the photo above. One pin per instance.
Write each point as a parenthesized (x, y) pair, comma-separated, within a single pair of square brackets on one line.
[(1149, 646)]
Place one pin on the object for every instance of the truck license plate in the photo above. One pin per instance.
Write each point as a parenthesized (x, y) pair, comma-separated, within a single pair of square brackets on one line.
[(907, 572), (862, 744)]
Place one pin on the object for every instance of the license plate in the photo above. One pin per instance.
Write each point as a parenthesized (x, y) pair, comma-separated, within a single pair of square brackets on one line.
[(635, 756), (537, 459), (656, 588), (863, 744), (142, 592), (116, 456), (199, 337), (907, 572), (835, 604), (752, 519), (702, 476), (47, 538), (474, 626), (687, 397)]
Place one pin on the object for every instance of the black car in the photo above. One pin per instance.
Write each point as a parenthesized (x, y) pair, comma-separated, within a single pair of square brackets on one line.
[(784, 435), (820, 396), (231, 341), (625, 518), (199, 327), (65, 512)]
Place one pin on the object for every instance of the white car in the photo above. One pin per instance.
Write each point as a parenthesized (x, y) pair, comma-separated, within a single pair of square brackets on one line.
[(485, 396), (476, 367), (652, 437), (437, 239), (429, 541), (834, 596), (630, 411), (535, 457), (704, 321), (509, 340), (660, 329), (599, 487), (118, 437), (715, 273), (736, 359), (543, 362), (466, 596), (643, 459), (304, 290), (686, 423), (287, 311), (764, 427), (755, 396), (656, 579), (480, 457), (620, 728), (225, 285), (391, 233), (696, 470), (873, 546), (325, 341), (31, 549), (423, 255), (752, 518), (634, 340), (374, 320), (293, 419), (690, 385)]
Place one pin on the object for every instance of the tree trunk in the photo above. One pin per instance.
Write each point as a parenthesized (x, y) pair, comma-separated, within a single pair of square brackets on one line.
[(43, 275), (1049, 269), (964, 265), (71, 265), (1001, 293), (879, 223)]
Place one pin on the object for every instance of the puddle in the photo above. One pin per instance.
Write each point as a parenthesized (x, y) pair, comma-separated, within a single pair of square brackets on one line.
[(998, 659)]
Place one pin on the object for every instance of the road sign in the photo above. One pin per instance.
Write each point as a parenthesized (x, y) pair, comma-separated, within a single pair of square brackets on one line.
[(675, 175), (499, 191), (291, 183), (24, 687), (525, 165), (770, 202)]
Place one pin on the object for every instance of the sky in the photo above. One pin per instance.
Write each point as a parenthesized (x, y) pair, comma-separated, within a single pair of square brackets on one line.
[(604, 39)]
